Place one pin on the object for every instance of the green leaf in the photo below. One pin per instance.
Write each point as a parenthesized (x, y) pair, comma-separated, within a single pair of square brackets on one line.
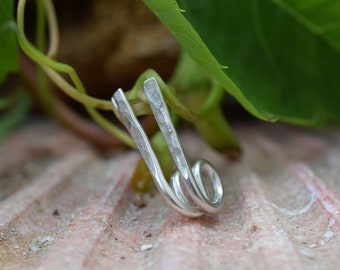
[(283, 57), (171, 15), (8, 42)]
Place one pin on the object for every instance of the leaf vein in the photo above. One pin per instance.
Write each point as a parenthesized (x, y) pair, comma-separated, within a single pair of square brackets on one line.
[(309, 25)]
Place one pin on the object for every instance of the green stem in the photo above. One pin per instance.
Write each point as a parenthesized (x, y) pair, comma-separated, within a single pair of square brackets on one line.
[(40, 25), (213, 100), (172, 101), (44, 94), (48, 64), (212, 125), (217, 132), (187, 74), (83, 127)]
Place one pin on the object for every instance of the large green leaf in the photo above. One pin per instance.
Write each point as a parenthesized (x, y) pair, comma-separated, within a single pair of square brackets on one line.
[(283, 57), (170, 14), (8, 43)]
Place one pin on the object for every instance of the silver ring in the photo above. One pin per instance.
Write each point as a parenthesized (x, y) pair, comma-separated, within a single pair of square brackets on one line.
[(187, 192)]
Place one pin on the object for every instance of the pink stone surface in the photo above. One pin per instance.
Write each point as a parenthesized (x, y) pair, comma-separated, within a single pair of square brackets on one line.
[(63, 205)]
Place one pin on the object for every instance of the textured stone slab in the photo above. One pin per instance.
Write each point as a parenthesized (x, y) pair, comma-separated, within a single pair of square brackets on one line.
[(65, 206)]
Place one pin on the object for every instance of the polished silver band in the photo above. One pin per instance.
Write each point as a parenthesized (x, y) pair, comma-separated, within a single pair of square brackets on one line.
[(187, 192)]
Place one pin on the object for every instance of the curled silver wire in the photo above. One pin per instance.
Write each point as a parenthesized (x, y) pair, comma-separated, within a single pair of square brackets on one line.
[(187, 192)]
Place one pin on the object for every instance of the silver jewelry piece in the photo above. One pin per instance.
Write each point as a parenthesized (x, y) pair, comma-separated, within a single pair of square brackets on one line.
[(187, 193)]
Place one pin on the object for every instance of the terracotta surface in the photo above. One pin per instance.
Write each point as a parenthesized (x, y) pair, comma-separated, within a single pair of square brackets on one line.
[(65, 206)]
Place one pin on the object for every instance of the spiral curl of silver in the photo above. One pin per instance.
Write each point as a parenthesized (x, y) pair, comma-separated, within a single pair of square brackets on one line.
[(187, 192)]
